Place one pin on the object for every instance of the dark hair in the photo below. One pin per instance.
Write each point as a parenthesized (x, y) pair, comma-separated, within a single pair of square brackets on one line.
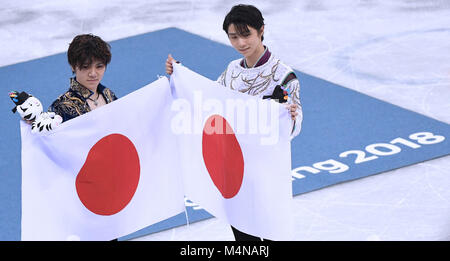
[(243, 16), (85, 47)]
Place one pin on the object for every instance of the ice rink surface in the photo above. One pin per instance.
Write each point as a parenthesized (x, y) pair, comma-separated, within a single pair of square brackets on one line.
[(396, 51)]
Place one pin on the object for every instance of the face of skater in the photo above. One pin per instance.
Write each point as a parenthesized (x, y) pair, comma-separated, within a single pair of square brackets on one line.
[(88, 56), (247, 41), (90, 74), (244, 25)]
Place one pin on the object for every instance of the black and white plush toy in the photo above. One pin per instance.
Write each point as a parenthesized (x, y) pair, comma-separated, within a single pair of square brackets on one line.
[(30, 109)]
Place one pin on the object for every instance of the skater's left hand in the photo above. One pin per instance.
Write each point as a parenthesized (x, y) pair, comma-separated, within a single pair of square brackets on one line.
[(293, 110)]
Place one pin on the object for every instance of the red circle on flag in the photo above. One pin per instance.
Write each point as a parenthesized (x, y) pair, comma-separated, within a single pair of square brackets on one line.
[(222, 155), (110, 175)]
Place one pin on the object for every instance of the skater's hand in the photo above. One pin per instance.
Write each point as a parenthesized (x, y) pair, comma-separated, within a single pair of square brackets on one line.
[(293, 110), (169, 66)]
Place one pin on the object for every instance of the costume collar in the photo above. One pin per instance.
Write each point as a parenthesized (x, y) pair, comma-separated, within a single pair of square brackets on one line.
[(262, 59), (83, 91)]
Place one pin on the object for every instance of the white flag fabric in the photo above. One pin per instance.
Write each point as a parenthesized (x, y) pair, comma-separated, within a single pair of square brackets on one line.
[(235, 154), (104, 174)]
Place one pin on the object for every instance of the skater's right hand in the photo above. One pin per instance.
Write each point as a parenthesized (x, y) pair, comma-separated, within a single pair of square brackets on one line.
[(169, 66)]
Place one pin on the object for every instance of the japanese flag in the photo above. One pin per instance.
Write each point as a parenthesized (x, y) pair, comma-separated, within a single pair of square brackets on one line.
[(235, 154), (104, 174)]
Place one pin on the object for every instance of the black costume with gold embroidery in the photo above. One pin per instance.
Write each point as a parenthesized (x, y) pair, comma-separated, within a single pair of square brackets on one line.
[(73, 103)]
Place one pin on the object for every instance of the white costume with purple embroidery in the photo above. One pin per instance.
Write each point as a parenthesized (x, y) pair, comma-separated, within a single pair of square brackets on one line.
[(262, 79)]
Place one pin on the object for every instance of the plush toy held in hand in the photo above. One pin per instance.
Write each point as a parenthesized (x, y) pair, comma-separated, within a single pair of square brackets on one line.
[(30, 109)]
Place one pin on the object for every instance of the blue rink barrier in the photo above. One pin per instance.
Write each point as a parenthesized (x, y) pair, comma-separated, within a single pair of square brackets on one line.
[(346, 135)]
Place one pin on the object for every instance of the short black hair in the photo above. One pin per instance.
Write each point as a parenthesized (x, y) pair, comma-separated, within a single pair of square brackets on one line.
[(85, 47), (243, 16)]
